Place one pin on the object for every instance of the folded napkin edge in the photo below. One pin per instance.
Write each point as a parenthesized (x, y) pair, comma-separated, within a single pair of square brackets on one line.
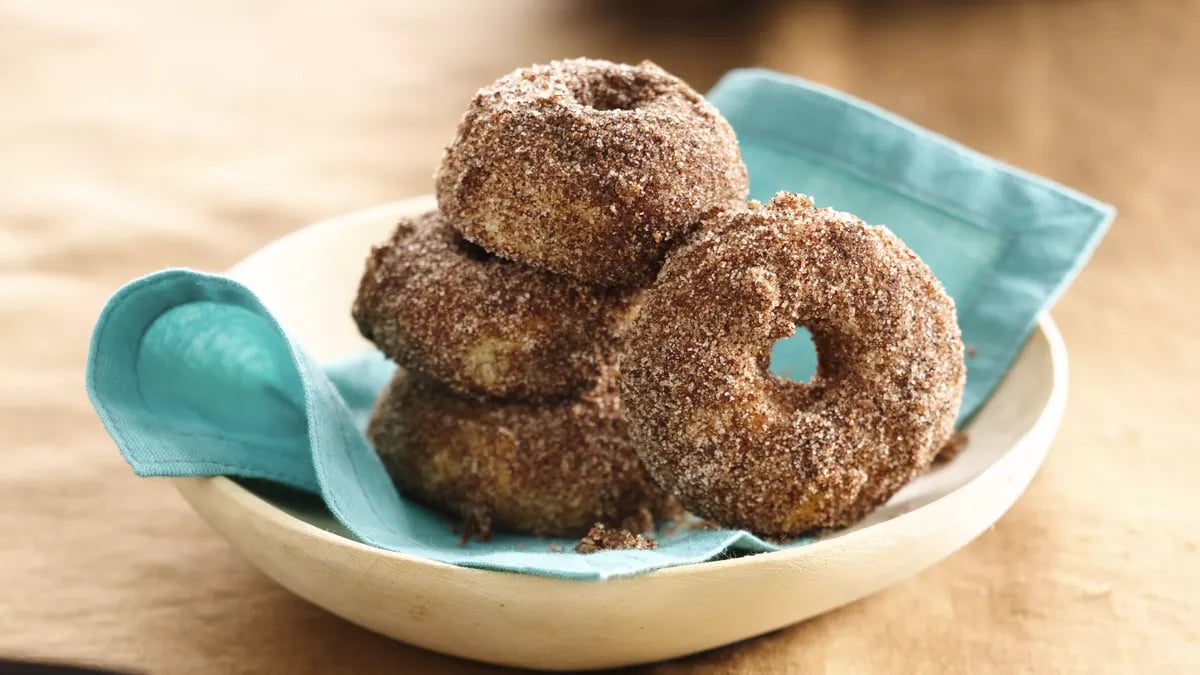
[(1103, 210)]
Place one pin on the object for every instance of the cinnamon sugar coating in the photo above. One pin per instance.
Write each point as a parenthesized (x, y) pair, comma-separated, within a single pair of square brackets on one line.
[(550, 469), (437, 304), (603, 538), (748, 449), (588, 168)]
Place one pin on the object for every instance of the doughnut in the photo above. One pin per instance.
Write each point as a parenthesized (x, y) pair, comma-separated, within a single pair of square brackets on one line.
[(552, 469), (438, 304), (748, 449), (588, 168)]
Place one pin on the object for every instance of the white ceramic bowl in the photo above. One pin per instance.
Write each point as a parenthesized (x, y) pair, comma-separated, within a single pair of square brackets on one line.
[(309, 278)]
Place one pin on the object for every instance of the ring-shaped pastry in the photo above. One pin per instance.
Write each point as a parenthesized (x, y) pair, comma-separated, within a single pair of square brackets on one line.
[(588, 168), (745, 448), (551, 469), (440, 305)]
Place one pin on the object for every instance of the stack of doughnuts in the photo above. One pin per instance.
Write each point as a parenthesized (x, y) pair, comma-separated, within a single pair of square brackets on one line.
[(584, 325), (506, 308)]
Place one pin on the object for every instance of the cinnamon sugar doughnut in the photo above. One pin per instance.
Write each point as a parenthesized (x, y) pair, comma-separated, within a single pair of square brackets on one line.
[(551, 469), (435, 303), (588, 168), (748, 449)]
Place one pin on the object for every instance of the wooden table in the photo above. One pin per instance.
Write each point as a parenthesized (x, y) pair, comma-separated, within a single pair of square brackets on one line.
[(143, 135)]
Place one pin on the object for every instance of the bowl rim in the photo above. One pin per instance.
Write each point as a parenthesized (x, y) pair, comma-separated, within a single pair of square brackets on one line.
[(930, 513)]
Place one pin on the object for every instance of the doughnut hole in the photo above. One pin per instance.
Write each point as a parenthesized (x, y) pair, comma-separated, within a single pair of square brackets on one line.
[(795, 358), (611, 91)]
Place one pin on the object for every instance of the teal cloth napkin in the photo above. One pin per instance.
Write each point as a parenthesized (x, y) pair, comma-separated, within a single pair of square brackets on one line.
[(192, 376)]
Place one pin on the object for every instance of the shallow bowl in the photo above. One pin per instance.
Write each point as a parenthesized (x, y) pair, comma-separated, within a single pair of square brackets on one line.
[(308, 280)]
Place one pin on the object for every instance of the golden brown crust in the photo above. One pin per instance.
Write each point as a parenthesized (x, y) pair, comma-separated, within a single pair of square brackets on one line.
[(550, 469), (748, 449), (588, 168), (440, 305)]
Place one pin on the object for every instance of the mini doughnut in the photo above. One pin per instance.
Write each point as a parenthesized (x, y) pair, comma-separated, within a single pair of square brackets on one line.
[(588, 168), (748, 449), (550, 469), (435, 303)]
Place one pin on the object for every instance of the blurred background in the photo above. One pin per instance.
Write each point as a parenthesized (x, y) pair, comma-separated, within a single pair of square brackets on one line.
[(137, 135)]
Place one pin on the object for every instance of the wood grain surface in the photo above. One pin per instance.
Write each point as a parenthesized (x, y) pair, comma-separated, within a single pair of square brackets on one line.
[(140, 135)]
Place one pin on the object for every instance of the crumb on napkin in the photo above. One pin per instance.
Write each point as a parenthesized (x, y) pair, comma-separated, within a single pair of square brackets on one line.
[(600, 538)]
